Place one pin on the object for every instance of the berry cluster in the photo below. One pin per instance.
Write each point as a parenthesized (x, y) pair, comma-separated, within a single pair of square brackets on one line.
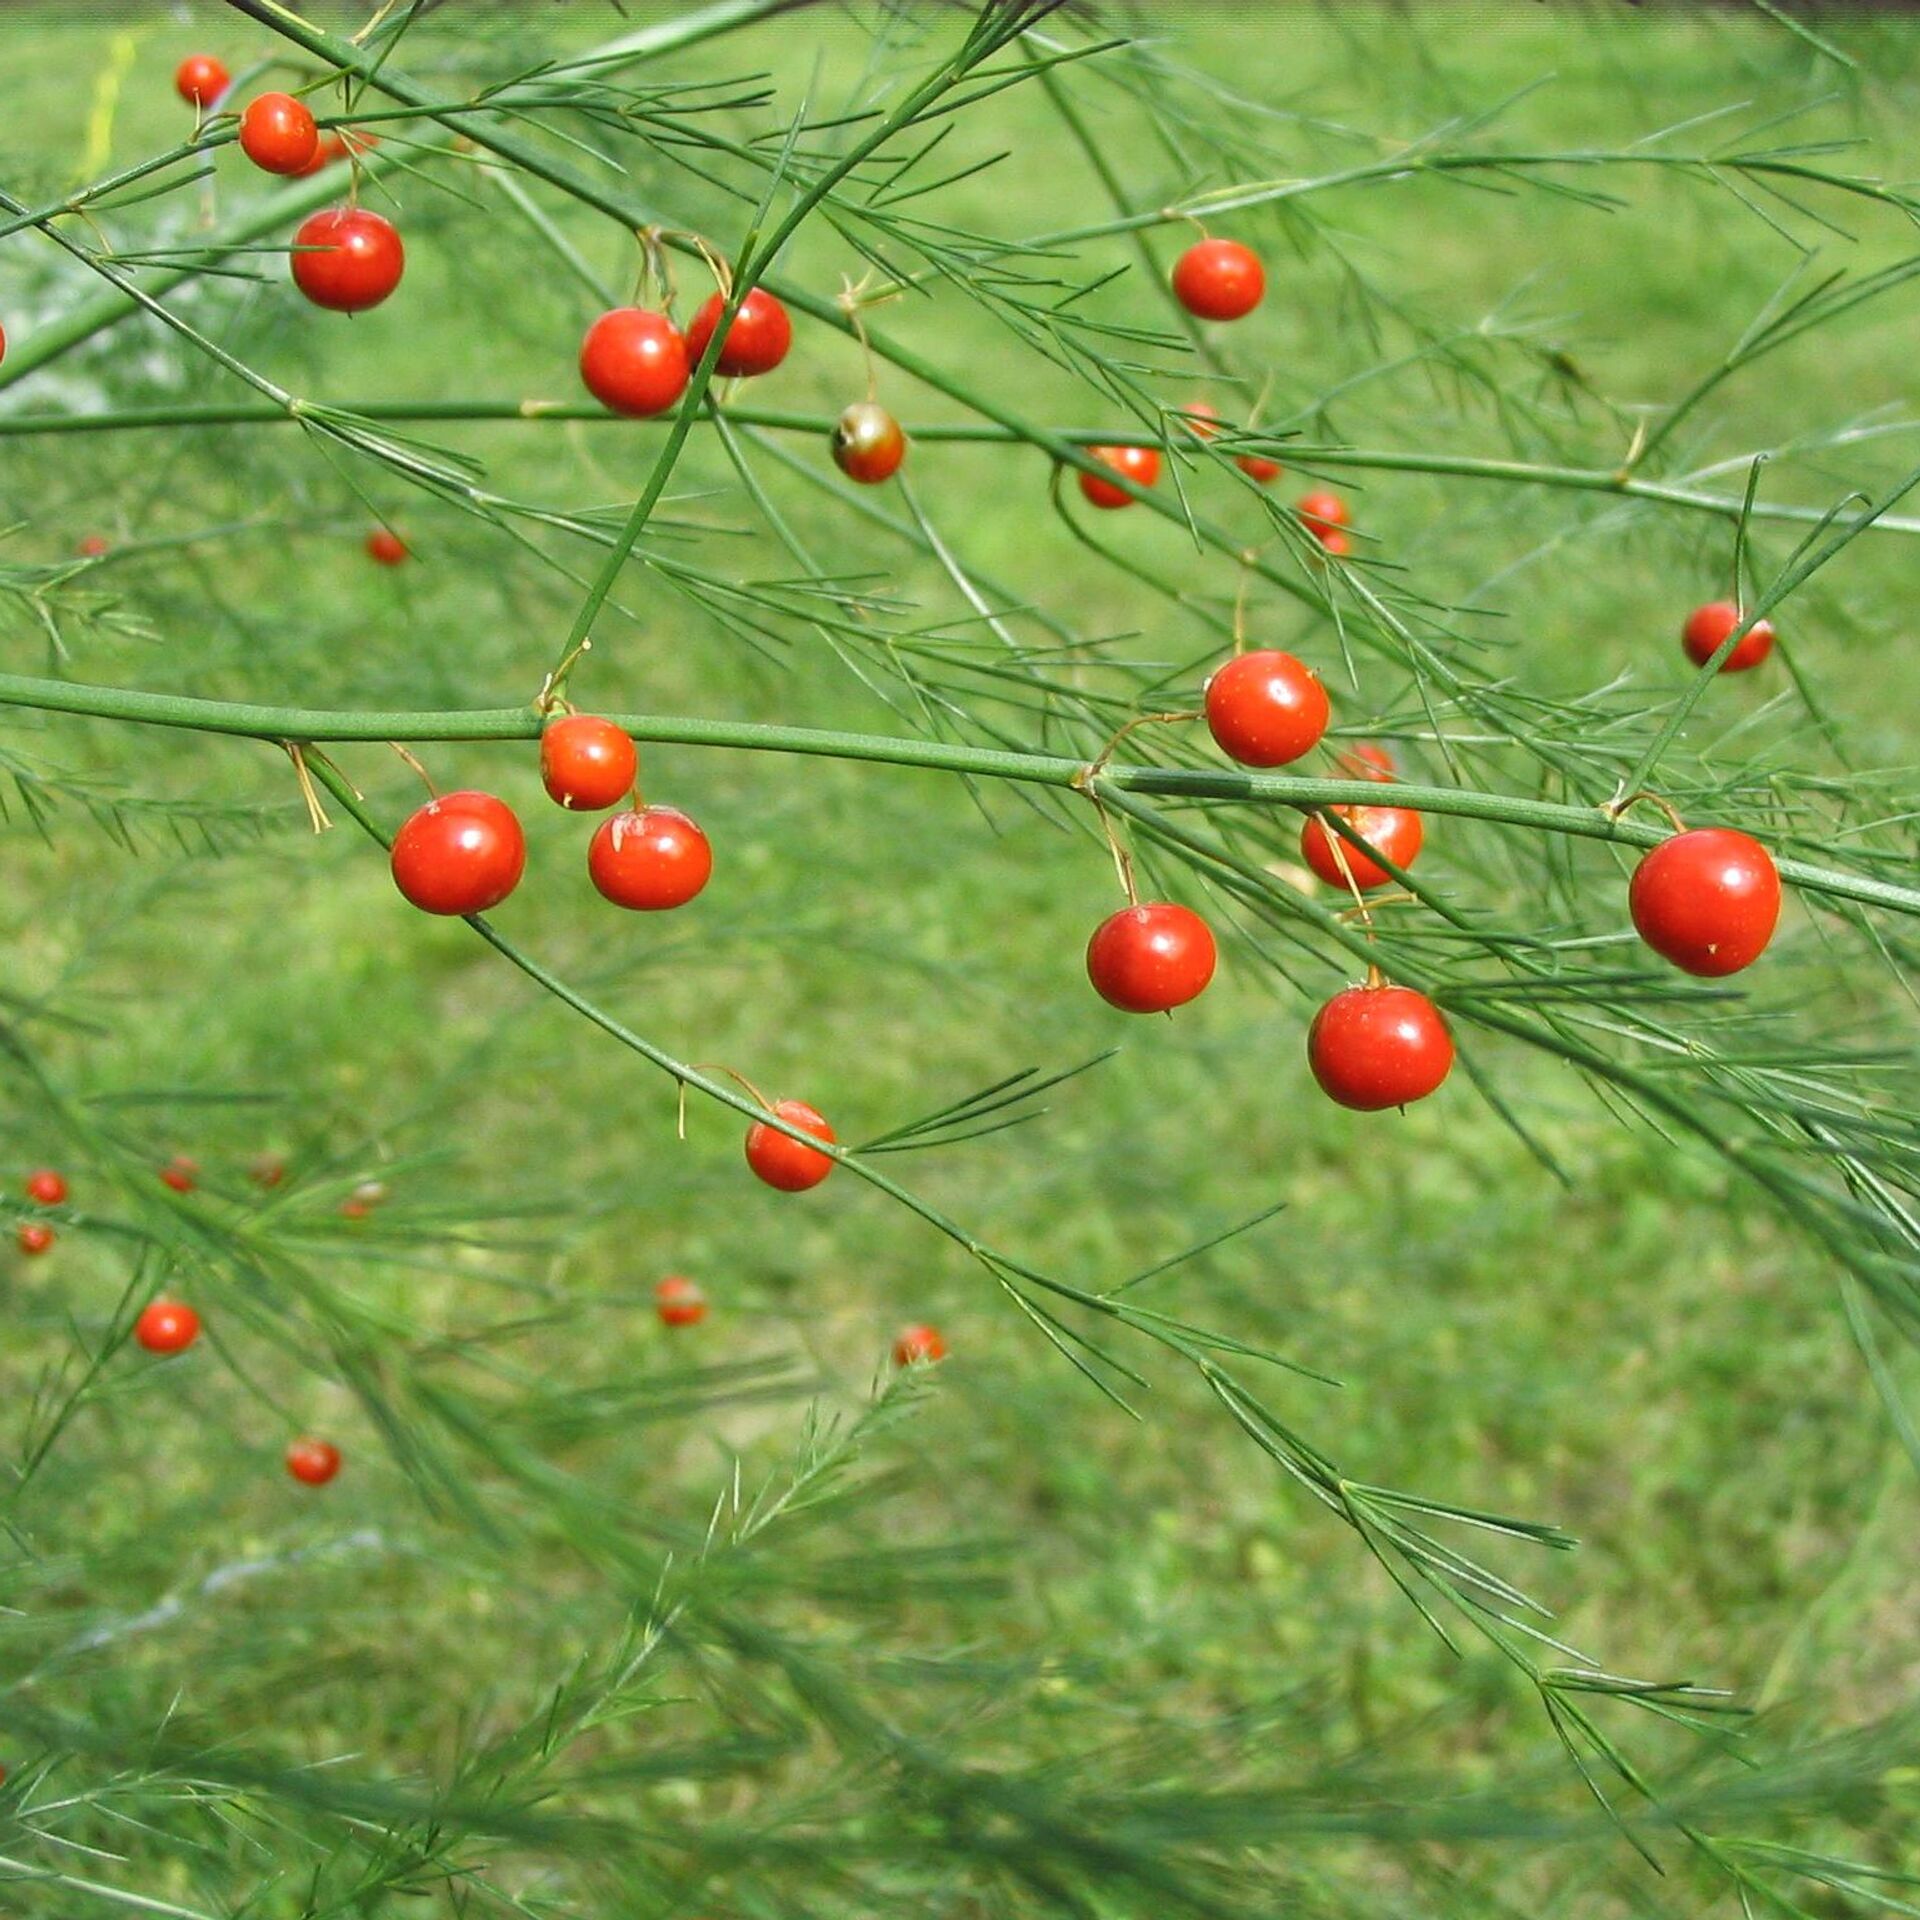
[(1706, 900)]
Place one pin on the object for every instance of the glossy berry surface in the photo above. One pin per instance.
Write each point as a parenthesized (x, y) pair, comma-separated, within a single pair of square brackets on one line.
[(34, 1238), (1266, 708), (461, 853), (1375, 1047), (918, 1346), (347, 259), (200, 79), (1141, 465), (167, 1326), (1146, 959), (650, 859), (1219, 280), (385, 547), (868, 445), (331, 147), (313, 1462), (277, 133), (634, 361), (790, 1165), (1395, 831), (181, 1174), (46, 1186), (1708, 900), (586, 763), (756, 342), (679, 1302), (1709, 625)]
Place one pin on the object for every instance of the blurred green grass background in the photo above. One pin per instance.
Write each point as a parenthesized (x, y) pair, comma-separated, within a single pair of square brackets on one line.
[(1646, 1358)]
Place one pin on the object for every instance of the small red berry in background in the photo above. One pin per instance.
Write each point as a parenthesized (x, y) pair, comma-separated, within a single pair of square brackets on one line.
[(1266, 708), (1147, 959), (181, 1173), (1334, 543), (313, 1462), (1396, 831), (634, 361), (1708, 900), (3, 355), (93, 546), (756, 342), (586, 763), (363, 1199), (461, 853), (1379, 1046), (918, 1346), (46, 1186), (1257, 467), (679, 1302), (1321, 514), (200, 79), (386, 547), (1709, 625), (267, 1170), (1219, 280), (34, 1238), (868, 444), (167, 1326), (347, 259), (650, 859), (277, 133), (785, 1163), (1203, 420), (331, 147), (1141, 465), (1368, 761)]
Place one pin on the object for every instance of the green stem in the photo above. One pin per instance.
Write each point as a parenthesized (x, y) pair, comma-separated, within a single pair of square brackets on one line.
[(251, 721), (240, 413)]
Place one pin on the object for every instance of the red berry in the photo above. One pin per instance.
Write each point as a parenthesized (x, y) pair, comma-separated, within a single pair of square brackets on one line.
[(181, 1174), (1707, 900), (347, 259), (1266, 708), (786, 1163), (1334, 542), (1203, 420), (1145, 959), (1396, 831), (3, 355), (679, 1302), (46, 1186), (93, 546), (267, 1170), (868, 444), (167, 1326), (277, 133), (1709, 625), (1368, 761), (34, 1238), (921, 1345), (1375, 1047), (587, 763), (650, 859), (1219, 280), (1321, 514), (200, 79), (1141, 465), (386, 547), (461, 853), (756, 342), (313, 1462), (634, 361)]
